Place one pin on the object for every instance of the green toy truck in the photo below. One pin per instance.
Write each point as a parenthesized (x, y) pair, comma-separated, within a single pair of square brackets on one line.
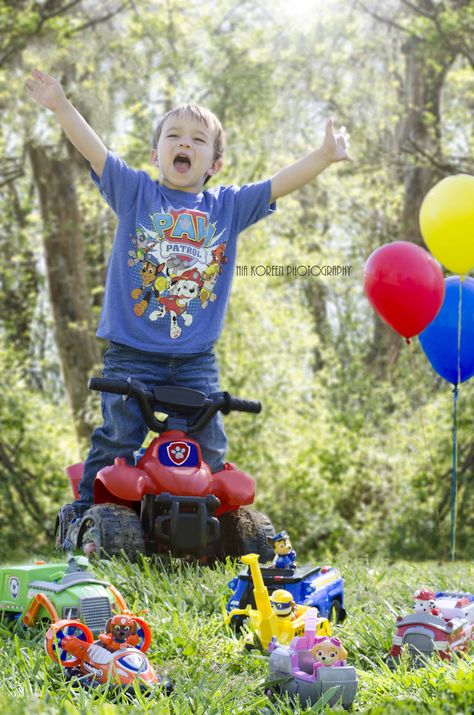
[(39, 592)]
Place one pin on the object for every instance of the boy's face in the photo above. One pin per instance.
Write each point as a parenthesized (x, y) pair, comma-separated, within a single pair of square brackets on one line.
[(185, 154)]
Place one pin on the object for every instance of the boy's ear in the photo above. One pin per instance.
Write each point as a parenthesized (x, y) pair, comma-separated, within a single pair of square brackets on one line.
[(216, 166), (154, 157)]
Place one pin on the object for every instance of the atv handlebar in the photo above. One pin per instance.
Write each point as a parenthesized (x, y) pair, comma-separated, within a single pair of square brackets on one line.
[(183, 401), (235, 404), (107, 384)]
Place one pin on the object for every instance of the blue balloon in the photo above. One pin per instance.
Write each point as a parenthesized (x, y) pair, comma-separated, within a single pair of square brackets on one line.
[(440, 339)]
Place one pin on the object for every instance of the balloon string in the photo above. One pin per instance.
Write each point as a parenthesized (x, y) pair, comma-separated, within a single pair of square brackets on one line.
[(452, 539), (455, 430), (459, 331), (430, 467)]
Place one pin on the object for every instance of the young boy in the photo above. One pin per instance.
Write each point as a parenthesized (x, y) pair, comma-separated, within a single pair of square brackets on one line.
[(170, 271)]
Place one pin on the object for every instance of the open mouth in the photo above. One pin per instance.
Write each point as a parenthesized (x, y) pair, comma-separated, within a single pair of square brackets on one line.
[(182, 163)]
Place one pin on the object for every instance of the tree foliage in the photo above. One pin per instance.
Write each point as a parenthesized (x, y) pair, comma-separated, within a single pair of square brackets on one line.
[(353, 448)]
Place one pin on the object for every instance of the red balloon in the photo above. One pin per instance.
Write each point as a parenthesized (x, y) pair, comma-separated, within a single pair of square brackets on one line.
[(405, 285)]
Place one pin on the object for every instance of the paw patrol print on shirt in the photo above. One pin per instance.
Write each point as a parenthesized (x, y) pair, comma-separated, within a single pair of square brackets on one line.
[(175, 267), (163, 236)]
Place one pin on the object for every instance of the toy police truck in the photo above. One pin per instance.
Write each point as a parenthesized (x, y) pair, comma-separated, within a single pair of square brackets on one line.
[(321, 587)]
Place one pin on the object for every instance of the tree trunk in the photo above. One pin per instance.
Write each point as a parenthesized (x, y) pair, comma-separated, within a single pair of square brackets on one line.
[(418, 142), (314, 289), (64, 255), (18, 276), (419, 136)]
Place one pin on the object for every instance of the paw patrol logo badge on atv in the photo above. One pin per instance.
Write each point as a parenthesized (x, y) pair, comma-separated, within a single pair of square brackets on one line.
[(14, 586), (178, 452)]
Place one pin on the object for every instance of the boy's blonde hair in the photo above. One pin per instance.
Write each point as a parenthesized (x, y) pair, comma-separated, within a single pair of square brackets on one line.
[(199, 114)]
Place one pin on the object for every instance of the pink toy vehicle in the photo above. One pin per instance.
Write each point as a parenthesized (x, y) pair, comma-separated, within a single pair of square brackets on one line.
[(310, 666)]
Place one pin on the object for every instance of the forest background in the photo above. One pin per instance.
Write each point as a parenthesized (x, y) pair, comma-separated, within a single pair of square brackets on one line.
[(353, 448)]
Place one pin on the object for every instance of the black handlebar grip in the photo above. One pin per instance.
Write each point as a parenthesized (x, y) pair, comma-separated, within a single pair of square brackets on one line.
[(237, 405), (108, 384)]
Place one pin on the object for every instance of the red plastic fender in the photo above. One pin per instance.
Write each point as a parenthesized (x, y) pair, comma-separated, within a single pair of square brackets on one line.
[(121, 481), (74, 474), (233, 487)]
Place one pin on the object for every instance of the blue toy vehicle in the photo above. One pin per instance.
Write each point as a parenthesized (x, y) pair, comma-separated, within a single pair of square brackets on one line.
[(319, 586)]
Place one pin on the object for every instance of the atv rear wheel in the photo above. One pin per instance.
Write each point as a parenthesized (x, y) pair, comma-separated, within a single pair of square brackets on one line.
[(245, 532), (109, 529)]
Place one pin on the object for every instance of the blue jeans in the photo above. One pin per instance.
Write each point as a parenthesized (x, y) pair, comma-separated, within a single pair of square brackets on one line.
[(124, 430)]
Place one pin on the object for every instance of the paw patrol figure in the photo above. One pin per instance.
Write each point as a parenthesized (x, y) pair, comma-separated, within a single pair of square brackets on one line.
[(285, 555), (425, 601), (282, 604), (328, 651), (120, 632)]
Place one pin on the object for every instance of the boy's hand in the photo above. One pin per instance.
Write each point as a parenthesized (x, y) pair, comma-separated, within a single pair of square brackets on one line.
[(45, 90), (336, 144), (335, 147)]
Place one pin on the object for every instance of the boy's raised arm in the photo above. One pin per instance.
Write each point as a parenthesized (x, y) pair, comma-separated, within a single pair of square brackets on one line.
[(334, 148), (47, 92)]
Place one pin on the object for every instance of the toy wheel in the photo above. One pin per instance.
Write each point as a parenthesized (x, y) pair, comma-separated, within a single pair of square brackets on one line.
[(245, 532), (336, 613), (63, 519), (54, 639), (144, 634), (110, 529), (238, 622), (392, 662)]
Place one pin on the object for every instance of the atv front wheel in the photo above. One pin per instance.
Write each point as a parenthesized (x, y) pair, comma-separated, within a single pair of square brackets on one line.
[(245, 532), (109, 529)]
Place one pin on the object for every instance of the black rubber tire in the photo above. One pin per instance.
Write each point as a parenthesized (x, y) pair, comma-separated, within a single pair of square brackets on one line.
[(115, 529), (335, 612), (237, 622), (66, 513), (245, 532), (392, 662)]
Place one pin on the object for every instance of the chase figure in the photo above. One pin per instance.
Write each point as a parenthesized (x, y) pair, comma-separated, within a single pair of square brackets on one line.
[(285, 555)]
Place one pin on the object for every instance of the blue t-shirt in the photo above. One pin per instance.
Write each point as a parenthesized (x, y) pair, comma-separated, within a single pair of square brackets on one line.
[(172, 261)]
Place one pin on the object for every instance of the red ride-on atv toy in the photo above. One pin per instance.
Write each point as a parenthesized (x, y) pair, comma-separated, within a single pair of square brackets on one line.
[(170, 501)]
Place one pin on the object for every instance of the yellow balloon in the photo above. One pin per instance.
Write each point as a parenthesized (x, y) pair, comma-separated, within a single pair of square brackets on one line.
[(447, 222)]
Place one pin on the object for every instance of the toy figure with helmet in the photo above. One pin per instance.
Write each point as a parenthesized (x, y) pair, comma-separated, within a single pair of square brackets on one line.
[(285, 555)]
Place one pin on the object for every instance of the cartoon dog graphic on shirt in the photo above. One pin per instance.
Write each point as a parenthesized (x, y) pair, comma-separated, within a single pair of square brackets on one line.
[(184, 288), (210, 276), (153, 283), (142, 245), (218, 256)]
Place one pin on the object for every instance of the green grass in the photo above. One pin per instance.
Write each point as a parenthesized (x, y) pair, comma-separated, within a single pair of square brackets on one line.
[(212, 672)]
